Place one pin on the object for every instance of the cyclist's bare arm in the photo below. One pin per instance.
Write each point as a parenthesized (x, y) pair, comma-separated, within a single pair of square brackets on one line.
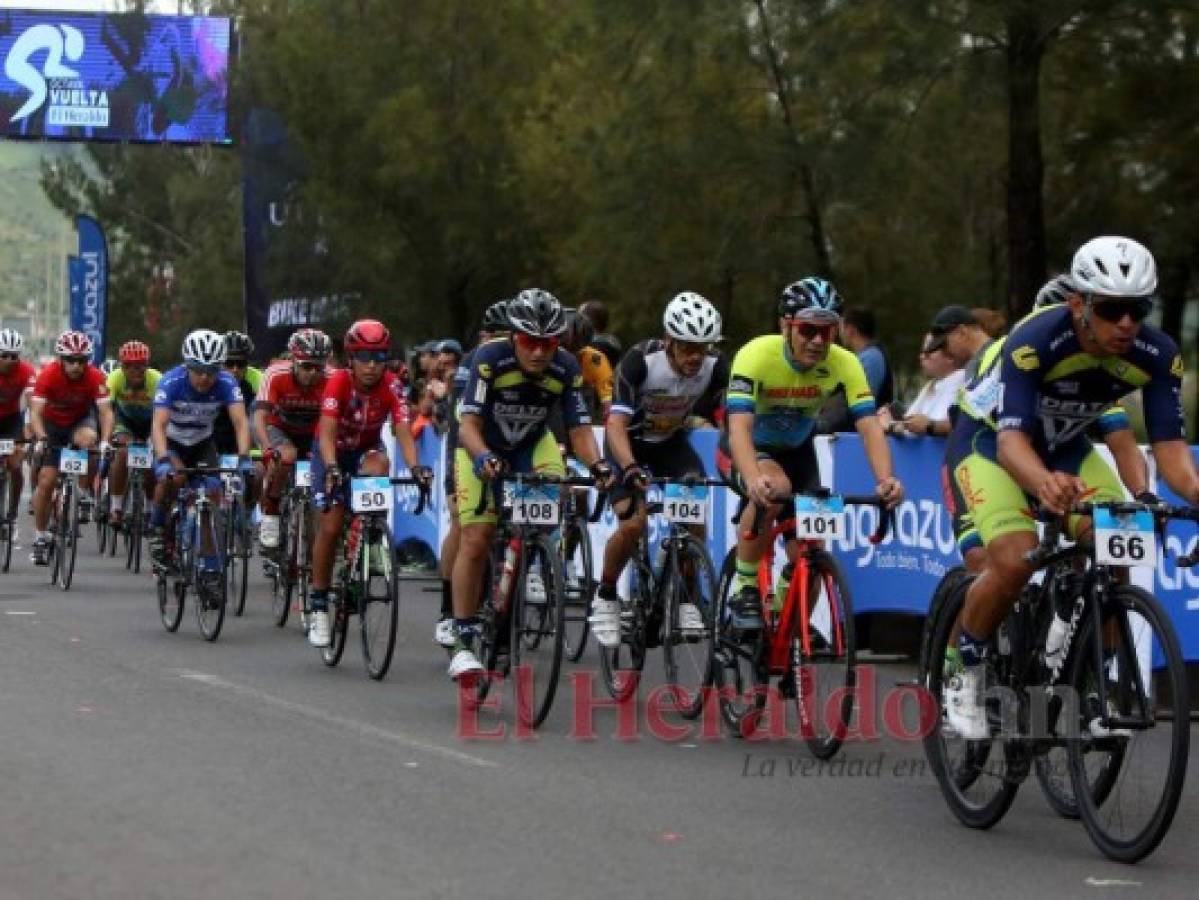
[(1177, 467), (158, 432), (616, 429), (35, 418), (1130, 462), (582, 443), (1056, 490), (241, 427), (878, 454)]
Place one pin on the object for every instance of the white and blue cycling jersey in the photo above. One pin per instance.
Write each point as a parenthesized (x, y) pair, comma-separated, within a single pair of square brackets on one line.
[(192, 411)]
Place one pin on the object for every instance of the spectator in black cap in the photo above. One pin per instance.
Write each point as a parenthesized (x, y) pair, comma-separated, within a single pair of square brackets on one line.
[(929, 413), (962, 332)]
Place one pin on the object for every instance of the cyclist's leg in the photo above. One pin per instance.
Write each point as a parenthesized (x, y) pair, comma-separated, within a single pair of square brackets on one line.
[(46, 466), (324, 544), (274, 482), (478, 530), (11, 429), (443, 632), (85, 434), (118, 470)]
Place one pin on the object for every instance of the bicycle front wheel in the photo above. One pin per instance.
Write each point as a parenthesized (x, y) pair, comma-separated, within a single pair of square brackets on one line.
[(739, 671), (212, 588), (170, 601), (824, 650), (237, 558), (579, 585), (537, 630), (380, 616), (68, 539), (688, 652), (972, 775), (1127, 808), (6, 524), (339, 624), (134, 522)]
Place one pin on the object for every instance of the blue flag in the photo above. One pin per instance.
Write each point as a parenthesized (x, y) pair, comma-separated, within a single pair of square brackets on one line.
[(89, 303)]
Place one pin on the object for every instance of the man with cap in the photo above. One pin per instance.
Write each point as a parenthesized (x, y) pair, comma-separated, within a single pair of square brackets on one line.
[(963, 334)]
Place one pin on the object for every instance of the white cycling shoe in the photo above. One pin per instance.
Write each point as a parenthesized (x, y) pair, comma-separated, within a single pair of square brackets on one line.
[(964, 705), (464, 664), (268, 532), (445, 634), (605, 622), (319, 633), (691, 620)]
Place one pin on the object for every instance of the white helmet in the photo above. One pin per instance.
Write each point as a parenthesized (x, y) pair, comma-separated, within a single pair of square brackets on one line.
[(11, 341), (204, 348), (689, 317), (1054, 291), (1114, 267)]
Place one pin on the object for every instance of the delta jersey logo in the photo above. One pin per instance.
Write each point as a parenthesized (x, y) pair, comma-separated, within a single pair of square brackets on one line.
[(70, 103)]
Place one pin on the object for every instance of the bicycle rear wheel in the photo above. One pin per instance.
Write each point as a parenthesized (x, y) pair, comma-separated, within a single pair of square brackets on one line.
[(101, 512), (339, 624), (537, 632), (972, 775), (824, 696), (579, 585), (739, 672), (170, 601), (133, 529), (492, 640), (1146, 723), (283, 568), (6, 524), (687, 656), (237, 558), (380, 615)]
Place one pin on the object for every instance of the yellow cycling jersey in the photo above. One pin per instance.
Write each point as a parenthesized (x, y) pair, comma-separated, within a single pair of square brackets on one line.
[(784, 400), (131, 404)]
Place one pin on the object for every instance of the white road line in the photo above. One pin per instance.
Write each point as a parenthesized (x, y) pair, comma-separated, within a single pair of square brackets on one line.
[(20, 612), (1110, 882), (361, 728)]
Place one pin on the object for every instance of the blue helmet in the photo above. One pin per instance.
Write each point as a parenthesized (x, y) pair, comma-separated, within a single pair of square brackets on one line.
[(810, 298)]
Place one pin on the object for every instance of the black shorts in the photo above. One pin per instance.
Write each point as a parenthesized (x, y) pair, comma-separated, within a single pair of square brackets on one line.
[(798, 464), (671, 458), (12, 428), (192, 455)]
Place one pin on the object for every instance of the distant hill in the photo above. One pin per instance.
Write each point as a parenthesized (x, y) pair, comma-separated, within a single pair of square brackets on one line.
[(29, 225)]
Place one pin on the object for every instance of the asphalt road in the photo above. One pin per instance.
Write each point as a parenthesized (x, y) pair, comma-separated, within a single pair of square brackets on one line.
[(136, 763)]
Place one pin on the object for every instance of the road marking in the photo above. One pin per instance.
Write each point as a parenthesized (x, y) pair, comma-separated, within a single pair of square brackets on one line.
[(1110, 882), (318, 715), (20, 612)]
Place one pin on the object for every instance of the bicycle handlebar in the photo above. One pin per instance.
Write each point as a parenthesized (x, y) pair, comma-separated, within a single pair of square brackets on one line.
[(526, 478), (422, 487), (880, 532), (1162, 513), (639, 495)]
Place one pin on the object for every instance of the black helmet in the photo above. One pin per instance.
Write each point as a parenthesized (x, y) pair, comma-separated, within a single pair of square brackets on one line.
[(579, 331), (536, 312), (238, 345), (495, 317), (810, 298)]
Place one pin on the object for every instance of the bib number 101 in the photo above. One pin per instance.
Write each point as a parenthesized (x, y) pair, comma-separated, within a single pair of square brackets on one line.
[(819, 518)]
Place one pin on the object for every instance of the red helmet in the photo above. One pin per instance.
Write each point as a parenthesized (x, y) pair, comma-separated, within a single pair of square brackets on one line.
[(73, 343), (367, 334), (134, 352)]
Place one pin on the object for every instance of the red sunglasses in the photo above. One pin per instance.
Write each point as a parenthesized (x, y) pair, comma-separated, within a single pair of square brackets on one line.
[(530, 343), (807, 331)]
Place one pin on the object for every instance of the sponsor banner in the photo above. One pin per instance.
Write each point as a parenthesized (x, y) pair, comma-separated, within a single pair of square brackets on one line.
[(115, 76), (89, 313), (1178, 588)]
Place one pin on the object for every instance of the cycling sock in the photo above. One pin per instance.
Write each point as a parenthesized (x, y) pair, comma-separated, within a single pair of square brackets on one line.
[(747, 574), (447, 598), (973, 650), (319, 598)]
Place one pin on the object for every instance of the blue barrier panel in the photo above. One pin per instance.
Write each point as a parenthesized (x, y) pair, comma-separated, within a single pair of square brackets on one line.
[(1178, 589), (900, 574), (426, 526)]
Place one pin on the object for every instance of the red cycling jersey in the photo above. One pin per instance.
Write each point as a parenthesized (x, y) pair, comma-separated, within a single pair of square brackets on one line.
[(68, 401), (291, 407), (361, 415), (13, 385)]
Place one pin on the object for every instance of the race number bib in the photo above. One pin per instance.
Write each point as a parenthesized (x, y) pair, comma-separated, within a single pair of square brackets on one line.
[(685, 504), (819, 518), (72, 462), (303, 474), (535, 504), (7, 446), (139, 456), (371, 495), (1125, 540)]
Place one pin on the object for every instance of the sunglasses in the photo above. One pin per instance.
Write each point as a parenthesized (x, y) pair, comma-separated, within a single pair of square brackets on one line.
[(690, 348), (133, 367), (808, 331), (370, 356), (309, 366), (10, 356), (75, 360), (207, 371), (1136, 309), (531, 343), (236, 364)]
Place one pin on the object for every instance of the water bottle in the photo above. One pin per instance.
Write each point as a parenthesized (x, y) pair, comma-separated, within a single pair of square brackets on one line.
[(507, 574), (1055, 642)]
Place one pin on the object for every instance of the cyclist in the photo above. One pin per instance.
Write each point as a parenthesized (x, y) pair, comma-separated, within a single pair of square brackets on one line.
[(661, 384), (70, 407), (16, 381), (357, 403), (186, 404), (285, 416), (132, 387), (1061, 370), (513, 387), (238, 349), (494, 327), (776, 389), (598, 378)]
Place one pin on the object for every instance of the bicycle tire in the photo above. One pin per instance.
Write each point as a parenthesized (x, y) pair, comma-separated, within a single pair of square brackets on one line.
[(281, 590), (212, 587), (676, 658), (493, 631), (238, 558), (1102, 811), (579, 571), (339, 623), (170, 602), (827, 724), (6, 524), (379, 618), (542, 655), (133, 529), (69, 535), (739, 674), (956, 780), (101, 511)]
